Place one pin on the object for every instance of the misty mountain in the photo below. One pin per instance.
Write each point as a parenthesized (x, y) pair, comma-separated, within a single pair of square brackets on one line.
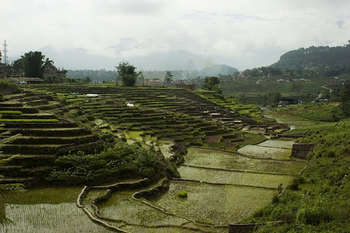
[(216, 70), (170, 60), (81, 59)]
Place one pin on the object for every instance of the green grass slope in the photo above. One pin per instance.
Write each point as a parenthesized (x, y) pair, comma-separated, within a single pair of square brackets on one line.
[(319, 199)]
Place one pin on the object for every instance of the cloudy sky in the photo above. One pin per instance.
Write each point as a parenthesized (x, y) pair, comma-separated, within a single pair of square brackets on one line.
[(170, 34)]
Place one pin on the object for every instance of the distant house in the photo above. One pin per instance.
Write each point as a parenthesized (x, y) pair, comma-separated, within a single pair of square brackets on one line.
[(153, 82), (190, 87), (287, 101), (184, 84)]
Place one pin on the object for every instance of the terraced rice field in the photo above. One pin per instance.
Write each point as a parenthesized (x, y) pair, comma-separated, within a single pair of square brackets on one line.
[(32, 138), (221, 187), (166, 114), (234, 178), (227, 160), (216, 195), (48, 210)]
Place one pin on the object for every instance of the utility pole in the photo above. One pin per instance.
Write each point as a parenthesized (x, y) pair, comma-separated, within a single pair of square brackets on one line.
[(5, 53)]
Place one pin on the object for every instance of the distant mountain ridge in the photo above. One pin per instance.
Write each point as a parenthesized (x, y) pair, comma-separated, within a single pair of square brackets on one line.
[(313, 58), (216, 70)]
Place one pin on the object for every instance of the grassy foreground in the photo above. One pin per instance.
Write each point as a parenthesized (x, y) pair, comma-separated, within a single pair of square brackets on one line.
[(319, 199)]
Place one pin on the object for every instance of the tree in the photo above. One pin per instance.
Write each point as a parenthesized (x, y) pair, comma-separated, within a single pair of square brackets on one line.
[(18, 66), (33, 63), (87, 79), (168, 79), (273, 98), (212, 84), (127, 73)]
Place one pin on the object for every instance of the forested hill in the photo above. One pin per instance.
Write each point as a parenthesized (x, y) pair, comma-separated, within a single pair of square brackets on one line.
[(317, 58)]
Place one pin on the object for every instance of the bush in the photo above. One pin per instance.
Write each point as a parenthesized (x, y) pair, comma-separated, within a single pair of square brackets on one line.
[(119, 161), (296, 182), (275, 199), (8, 87), (313, 216), (182, 194)]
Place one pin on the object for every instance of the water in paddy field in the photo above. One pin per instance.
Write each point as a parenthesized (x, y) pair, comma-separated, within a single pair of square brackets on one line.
[(221, 188), (47, 210)]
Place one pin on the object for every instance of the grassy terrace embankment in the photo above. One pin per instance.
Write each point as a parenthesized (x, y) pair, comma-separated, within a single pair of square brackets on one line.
[(32, 138), (154, 114), (318, 200)]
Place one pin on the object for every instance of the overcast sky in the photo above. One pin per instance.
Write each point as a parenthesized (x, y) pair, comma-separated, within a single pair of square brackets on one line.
[(170, 34)]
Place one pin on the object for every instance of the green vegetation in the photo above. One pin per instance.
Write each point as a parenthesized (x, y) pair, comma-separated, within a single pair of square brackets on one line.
[(182, 194), (168, 79), (327, 112), (212, 84), (329, 60), (33, 63), (317, 200), (119, 161), (127, 74), (250, 110), (7, 87)]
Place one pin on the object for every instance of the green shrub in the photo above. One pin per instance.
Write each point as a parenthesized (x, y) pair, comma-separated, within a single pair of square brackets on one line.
[(296, 182), (119, 161), (8, 87), (313, 215), (182, 194), (275, 199)]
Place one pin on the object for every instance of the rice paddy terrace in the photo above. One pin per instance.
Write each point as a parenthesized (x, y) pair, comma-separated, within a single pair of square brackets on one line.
[(170, 114), (32, 136), (217, 186)]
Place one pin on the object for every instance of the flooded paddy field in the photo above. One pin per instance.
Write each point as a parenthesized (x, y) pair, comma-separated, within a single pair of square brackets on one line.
[(261, 152), (234, 178), (277, 144), (207, 207), (218, 205), (48, 210), (226, 160), (221, 188)]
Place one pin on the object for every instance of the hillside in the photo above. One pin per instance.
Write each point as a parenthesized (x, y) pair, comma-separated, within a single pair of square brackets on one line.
[(318, 199), (323, 58), (215, 70)]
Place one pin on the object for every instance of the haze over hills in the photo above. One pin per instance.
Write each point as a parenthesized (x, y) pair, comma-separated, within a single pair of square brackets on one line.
[(218, 70), (108, 75), (159, 61)]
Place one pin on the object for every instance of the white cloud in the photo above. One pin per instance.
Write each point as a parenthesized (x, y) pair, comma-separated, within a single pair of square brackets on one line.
[(242, 33)]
